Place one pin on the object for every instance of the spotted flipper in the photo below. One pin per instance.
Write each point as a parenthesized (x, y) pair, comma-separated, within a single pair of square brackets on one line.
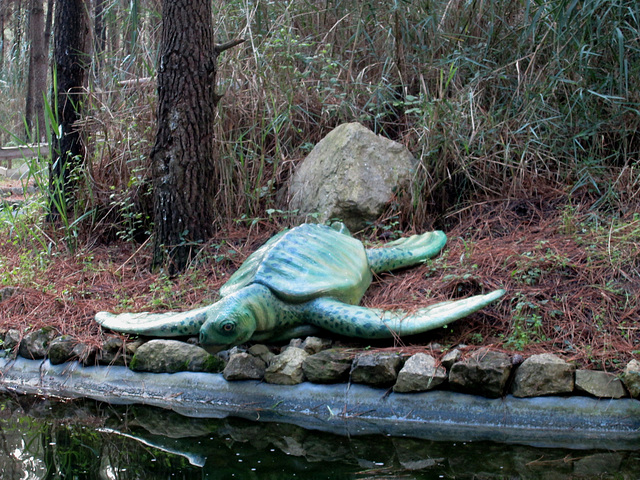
[(406, 251), (356, 321), (170, 324)]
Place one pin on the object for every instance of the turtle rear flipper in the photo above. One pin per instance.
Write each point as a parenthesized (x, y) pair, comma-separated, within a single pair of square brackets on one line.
[(406, 251), (170, 324), (356, 321)]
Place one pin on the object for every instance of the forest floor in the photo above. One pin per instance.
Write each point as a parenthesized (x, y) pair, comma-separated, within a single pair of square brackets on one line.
[(572, 277)]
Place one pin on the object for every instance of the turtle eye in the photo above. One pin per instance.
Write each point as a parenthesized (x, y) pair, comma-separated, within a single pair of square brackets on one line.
[(228, 327)]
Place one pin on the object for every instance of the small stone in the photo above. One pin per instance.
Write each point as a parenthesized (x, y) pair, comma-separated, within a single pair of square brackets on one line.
[(262, 352), (484, 373), (328, 366), (599, 384), (420, 373), (61, 349), (543, 374), (7, 292), (631, 378), (377, 369), (313, 345), (450, 358), (517, 359), (295, 342), (34, 345), (12, 339), (113, 352), (286, 368), (170, 356), (243, 366)]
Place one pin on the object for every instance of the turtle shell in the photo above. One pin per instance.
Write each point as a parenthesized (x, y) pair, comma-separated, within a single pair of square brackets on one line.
[(307, 262)]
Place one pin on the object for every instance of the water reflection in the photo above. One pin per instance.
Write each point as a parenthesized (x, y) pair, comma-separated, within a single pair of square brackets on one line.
[(41, 439)]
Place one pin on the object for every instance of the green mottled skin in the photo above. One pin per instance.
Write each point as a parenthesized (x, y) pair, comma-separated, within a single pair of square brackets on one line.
[(310, 277)]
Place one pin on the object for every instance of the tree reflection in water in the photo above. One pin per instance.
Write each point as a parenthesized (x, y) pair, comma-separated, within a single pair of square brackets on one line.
[(43, 439)]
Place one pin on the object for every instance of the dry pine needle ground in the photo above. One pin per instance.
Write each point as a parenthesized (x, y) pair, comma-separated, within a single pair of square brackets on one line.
[(571, 281)]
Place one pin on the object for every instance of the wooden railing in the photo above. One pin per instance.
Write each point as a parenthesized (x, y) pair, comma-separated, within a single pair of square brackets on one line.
[(8, 154)]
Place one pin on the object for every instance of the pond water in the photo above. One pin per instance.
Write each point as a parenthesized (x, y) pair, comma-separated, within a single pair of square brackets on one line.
[(43, 439)]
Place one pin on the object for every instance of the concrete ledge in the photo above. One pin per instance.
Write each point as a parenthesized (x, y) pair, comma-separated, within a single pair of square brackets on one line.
[(575, 422)]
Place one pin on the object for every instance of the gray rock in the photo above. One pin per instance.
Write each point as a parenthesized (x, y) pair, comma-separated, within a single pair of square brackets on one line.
[(114, 351), (7, 292), (544, 374), (379, 369), (420, 373), (12, 339), (262, 352), (170, 356), (631, 378), (484, 373), (450, 358), (244, 366), (313, 345), (351, 174), (328, 366), (599, 384), (34, 345), (62, 349), (286, 368)]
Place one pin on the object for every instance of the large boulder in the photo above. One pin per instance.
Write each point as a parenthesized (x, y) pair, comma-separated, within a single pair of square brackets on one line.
[(352, 174)]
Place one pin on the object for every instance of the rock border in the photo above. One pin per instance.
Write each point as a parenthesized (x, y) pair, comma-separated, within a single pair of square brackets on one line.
[(345, 409), (482, 372), (507, 398)]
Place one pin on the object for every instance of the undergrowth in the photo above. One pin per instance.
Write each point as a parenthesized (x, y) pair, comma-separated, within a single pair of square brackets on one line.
[(523, 118)]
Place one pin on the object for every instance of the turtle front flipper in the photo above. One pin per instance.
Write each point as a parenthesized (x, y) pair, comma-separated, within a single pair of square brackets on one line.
[(406, 251), (356, 321), (170, 324)]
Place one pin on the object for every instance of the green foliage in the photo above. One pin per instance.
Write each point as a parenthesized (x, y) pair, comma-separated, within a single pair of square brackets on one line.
[(526, 327), (491, 97)]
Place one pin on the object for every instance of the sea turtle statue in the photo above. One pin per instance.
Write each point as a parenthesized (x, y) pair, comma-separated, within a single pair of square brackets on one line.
[(304, 279)]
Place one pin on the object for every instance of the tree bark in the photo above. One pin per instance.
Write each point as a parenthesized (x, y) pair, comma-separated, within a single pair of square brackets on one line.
[(71, 31), (100, 31), (183, 162), (37, 81)]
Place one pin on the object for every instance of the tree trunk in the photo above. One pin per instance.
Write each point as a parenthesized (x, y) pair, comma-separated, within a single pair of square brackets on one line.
[(100, 31), (37, 81), (184, 167), (71, 33), (3, 16)]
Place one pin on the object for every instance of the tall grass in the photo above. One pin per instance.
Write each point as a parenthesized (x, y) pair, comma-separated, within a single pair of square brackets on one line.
[(493, 98)]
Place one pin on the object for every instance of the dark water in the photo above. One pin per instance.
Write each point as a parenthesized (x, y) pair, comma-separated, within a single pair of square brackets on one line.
[(41, 439)]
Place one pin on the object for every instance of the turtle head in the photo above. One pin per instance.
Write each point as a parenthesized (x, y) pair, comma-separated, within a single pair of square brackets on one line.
[(231, 321)]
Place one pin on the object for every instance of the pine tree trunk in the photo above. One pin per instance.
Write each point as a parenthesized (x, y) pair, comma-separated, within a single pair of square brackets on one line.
[(71, 31), (37, 81), (184, 166)]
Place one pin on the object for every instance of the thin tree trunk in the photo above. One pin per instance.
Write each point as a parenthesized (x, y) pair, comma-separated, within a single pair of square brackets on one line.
[(3, 16), (37, 81), (183, 157), (99, 28), (71, 33)]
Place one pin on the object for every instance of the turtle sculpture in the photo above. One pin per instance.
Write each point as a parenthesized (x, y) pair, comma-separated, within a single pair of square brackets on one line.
[(302, 280)]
